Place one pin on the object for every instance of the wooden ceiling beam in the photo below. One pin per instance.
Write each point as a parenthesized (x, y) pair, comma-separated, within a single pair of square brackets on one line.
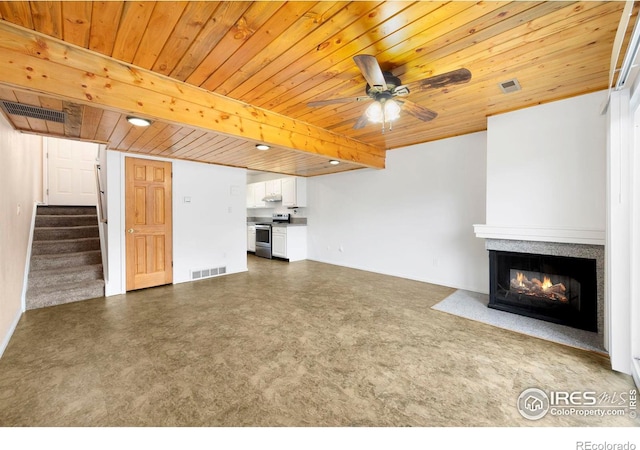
[(39, 63)]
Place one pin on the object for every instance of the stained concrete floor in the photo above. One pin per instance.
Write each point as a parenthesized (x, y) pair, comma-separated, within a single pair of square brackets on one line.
[(299, 344)]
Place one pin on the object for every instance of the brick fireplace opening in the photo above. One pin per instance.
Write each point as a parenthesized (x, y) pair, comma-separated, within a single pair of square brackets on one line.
[(559, 289)]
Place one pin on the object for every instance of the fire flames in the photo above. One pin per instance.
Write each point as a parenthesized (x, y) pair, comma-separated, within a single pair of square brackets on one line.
[(536, 288)]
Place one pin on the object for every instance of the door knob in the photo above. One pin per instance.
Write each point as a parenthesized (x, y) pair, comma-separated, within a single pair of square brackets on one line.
[(130, 230)]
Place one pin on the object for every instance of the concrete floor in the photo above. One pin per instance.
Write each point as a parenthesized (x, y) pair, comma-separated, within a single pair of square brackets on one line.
[(299, 344)]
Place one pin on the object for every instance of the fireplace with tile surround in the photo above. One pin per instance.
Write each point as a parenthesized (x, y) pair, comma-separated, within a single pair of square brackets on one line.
[(557, 289)]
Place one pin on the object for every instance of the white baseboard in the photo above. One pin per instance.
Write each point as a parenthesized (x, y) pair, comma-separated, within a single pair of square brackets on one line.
[(438, 282), (7, 337)]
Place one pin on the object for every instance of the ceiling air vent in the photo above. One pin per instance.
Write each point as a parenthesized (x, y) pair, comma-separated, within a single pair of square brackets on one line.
[(35, 112), (509, 86)]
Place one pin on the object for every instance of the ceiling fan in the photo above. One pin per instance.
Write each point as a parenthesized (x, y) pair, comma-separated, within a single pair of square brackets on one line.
[(384, 89)]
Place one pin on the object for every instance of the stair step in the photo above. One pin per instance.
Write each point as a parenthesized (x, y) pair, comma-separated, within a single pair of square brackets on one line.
[(51, 233), (66, 262), (58, 260), (70, 210), (65, 293), (65, 246), (65, 220), (39, 279)]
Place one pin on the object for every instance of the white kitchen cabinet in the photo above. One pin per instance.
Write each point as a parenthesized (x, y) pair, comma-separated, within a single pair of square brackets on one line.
[(251, 238), (255, 195), (294, 192), (289, 242), (279, 242), (273, 188), (258, 195)]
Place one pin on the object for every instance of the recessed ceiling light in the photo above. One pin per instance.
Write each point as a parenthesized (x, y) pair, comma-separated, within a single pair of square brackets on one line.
[(262, 147), (138, 121), (334, 162)]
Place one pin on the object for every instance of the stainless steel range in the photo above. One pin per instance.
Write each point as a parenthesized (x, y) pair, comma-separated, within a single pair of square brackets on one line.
[(263, 234)]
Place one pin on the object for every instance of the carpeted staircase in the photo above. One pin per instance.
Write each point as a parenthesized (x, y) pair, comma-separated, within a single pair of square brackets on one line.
[(66, 264)]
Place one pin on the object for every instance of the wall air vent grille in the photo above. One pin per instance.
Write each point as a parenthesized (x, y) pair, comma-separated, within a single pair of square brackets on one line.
[(509, 86), (34, 112), (208, 273)]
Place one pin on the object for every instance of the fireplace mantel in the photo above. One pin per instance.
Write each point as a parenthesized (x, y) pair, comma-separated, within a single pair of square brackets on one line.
[(560, 235)]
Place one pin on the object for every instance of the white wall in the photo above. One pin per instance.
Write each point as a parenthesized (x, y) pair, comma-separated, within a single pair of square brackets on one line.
[(115, 282), (257, 177), (20, 189), (209, 231), (546, 165), (414, 219)]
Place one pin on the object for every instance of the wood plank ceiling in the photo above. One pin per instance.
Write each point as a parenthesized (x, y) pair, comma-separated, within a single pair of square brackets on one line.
[(248, 70)]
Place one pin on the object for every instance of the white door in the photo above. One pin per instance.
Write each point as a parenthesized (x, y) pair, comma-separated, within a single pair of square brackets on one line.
[(635, 251), (71, 172)]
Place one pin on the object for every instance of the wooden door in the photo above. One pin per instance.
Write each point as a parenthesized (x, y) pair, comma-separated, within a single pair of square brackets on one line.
[(71, 172), (148, 223)]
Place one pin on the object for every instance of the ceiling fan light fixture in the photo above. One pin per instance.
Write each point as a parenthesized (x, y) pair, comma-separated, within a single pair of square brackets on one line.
[(262, 147), (374, 112), (383, 111), (391, 110), (138, 121)]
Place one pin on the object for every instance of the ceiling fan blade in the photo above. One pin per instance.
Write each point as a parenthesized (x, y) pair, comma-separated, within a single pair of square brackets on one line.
[(333, 101), (371, 71), (401, 91), (362, 121), (422, 113), (458, 76)]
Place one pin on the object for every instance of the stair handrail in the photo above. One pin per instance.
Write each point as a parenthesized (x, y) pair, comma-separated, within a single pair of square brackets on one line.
[(102, 224), (101, 193)]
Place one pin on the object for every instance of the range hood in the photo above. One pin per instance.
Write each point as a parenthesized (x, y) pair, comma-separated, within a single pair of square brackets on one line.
[(273, 198)]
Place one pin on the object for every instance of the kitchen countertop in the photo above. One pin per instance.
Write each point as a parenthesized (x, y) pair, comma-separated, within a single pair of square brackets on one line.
[(288, 224), (295, 221), (279, 224)]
